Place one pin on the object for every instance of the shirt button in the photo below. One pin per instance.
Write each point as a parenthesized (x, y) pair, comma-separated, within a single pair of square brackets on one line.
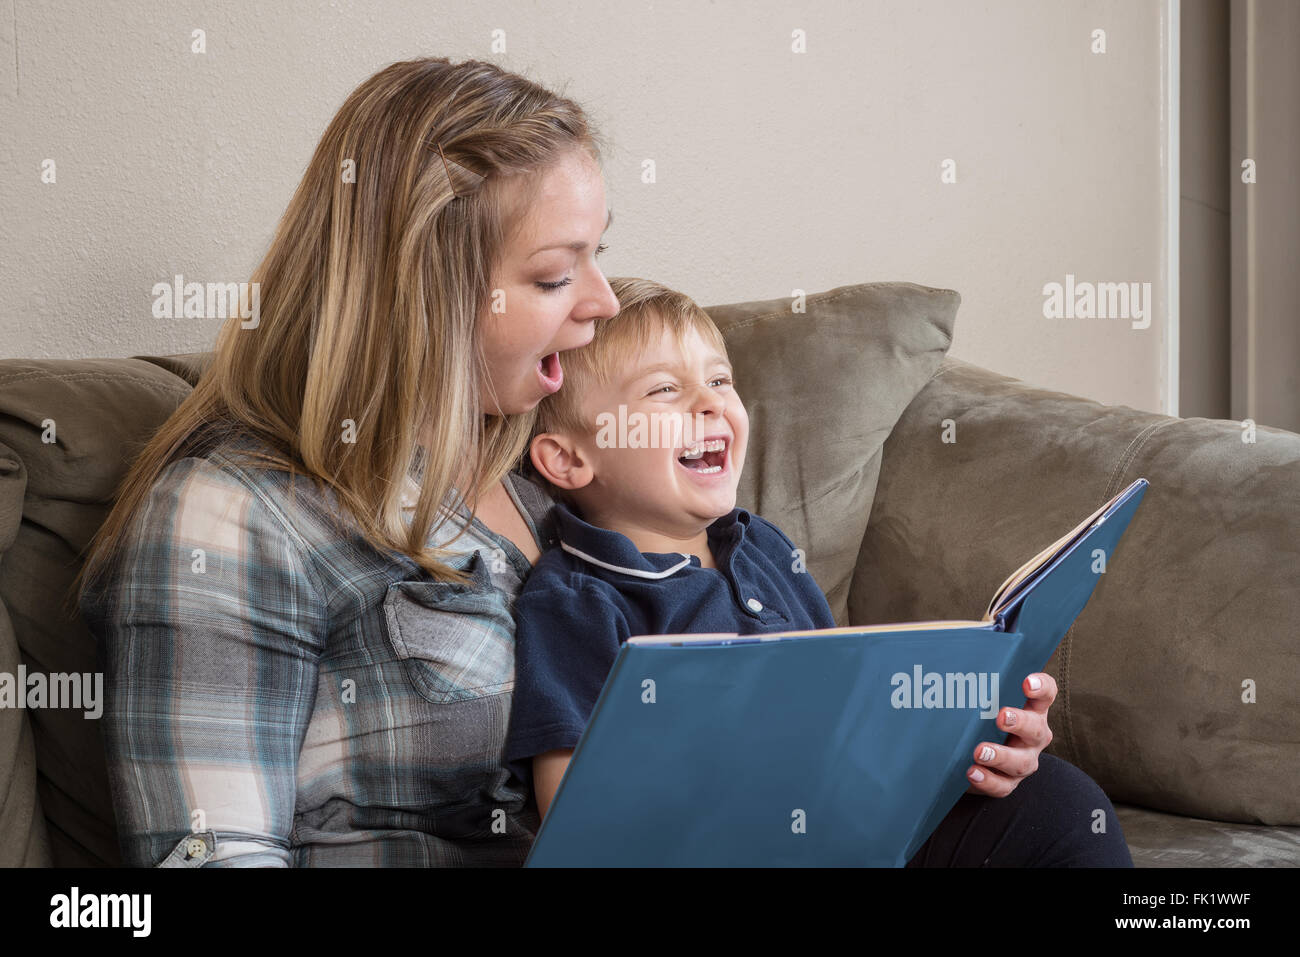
[(195, 846), (754, 604)]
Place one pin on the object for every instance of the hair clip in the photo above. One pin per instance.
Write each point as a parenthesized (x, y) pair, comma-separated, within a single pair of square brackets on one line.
[(447, 168), (447, 165)]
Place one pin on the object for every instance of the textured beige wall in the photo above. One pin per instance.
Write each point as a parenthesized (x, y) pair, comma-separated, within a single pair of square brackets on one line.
[(776, 170)]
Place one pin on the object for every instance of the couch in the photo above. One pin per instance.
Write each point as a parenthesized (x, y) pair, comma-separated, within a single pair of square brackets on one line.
[(917, 482)]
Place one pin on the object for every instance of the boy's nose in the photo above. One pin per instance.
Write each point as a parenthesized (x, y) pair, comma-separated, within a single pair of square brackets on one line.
[(707, 399)]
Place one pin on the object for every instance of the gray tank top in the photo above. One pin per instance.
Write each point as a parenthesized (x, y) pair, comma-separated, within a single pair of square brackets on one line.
[(507, 563)]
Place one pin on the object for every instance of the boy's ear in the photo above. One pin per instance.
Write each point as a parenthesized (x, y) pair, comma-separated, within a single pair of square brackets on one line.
[(558, 460)]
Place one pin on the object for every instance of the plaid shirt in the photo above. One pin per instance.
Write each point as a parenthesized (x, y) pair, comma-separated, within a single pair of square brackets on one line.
[(280, 693)]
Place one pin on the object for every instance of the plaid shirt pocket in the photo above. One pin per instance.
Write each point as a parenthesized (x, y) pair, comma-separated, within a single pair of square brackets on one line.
[(456, 641)]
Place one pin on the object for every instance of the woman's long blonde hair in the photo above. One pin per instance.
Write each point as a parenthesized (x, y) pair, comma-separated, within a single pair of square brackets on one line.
[(370, 300)]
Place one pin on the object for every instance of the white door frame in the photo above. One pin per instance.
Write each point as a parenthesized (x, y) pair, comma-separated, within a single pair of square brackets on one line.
[(1173, 198)]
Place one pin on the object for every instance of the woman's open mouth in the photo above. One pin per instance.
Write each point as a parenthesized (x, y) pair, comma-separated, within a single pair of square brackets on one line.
[(549, 372), (708, 457)]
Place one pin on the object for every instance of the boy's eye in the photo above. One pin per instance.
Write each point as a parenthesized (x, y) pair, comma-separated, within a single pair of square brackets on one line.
[(725, 380)]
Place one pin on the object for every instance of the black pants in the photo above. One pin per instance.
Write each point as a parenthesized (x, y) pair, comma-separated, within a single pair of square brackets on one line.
[(1049, 820)]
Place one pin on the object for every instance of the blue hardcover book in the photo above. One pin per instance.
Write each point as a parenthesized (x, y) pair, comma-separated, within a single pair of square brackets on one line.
[(833, 747)]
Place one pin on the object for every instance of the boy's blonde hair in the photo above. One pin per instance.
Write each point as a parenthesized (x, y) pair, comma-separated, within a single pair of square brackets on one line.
[(646, 309)]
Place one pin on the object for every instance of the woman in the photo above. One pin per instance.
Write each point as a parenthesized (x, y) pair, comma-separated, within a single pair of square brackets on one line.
[(302, 595)]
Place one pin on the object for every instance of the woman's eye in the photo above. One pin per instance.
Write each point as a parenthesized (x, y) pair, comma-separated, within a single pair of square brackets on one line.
[(552, 286)]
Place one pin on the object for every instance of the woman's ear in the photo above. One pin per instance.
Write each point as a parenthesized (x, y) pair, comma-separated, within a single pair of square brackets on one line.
[(558, 460)]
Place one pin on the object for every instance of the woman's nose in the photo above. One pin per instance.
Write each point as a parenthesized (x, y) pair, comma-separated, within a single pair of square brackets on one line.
[(605, 305)]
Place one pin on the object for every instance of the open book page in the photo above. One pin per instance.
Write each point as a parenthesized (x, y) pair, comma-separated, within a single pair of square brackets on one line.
[(1026, 570), (1005, 591), (846, 630)]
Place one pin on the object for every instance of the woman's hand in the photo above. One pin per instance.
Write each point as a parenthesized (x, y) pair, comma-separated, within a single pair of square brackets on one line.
[(999, 768)]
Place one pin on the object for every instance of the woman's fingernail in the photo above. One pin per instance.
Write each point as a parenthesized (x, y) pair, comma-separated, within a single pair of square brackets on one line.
[(987, 754), (976, 775), (1009, 717), (1035, 682)]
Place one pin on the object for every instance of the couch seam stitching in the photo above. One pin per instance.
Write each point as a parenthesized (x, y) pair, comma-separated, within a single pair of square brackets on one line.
[(781, 313), (141, 381)]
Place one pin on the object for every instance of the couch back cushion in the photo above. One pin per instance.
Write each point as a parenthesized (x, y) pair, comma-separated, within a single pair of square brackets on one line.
[(823, 388), (68, 431), (1178, 681), (24, 841)]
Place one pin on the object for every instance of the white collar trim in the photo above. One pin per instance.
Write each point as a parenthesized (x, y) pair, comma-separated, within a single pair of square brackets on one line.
[(638, 572)]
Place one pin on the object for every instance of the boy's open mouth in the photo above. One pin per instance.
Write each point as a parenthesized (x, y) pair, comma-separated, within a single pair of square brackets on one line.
[(706, 457)]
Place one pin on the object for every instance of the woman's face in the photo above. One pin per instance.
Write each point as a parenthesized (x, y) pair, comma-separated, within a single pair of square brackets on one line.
[(550, 287)]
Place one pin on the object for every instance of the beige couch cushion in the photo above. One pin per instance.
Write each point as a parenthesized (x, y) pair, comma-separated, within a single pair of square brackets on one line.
[(823, 389), (23, 838), (102, 411), (1201, 596)]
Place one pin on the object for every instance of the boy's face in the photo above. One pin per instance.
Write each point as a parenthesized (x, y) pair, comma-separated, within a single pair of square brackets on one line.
[(681, 396)]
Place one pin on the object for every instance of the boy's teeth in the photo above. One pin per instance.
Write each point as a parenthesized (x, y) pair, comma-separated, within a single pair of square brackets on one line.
[(713, 445)]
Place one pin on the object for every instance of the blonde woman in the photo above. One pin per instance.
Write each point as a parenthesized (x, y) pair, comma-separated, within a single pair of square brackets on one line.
[(297, 673), (302, 596)]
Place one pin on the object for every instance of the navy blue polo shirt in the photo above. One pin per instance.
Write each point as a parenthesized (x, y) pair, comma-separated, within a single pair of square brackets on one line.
[(586, 597)]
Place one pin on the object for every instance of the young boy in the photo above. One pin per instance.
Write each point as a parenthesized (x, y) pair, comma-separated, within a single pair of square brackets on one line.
[(642, 447)]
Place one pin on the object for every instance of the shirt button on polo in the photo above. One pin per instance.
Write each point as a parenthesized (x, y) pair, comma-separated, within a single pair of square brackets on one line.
[(754, 605)]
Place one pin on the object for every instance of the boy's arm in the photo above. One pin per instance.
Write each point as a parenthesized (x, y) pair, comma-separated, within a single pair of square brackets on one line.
[(548, 771), (566, 638)]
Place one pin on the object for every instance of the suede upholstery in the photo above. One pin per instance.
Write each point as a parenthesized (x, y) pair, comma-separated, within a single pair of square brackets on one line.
[(896, 525), (101, 411), (1202, 594), (818, 424), (24, 840)]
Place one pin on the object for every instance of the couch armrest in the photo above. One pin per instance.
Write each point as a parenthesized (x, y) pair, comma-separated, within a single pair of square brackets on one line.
[(1178, 682), (24, 838)]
